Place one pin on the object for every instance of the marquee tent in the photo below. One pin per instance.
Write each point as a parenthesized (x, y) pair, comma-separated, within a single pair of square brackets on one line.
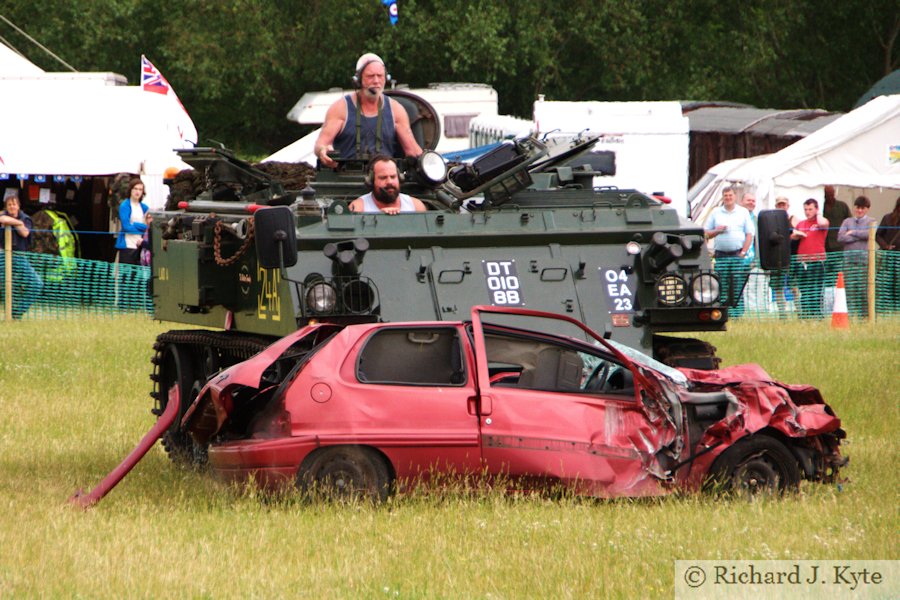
[(12, 63), (71, 127), (857, 153)]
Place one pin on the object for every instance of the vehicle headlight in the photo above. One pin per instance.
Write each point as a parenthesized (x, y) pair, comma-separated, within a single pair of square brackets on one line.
[(633, 248), (357, 296), (433, 167), (705, 288), (671, 290), (321, 298)]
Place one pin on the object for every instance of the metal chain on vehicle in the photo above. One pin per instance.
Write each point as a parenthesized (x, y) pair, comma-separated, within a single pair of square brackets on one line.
[(217, 244)]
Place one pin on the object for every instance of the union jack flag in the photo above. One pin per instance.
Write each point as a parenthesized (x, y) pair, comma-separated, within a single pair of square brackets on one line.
[(153, 81)]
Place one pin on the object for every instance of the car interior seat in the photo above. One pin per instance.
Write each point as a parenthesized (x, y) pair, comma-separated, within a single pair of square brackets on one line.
[(555, 369)]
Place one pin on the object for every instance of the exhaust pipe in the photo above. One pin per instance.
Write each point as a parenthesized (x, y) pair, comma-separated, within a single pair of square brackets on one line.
[(86, 501)]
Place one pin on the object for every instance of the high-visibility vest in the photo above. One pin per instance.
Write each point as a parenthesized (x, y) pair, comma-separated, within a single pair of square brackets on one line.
[(69, 246)]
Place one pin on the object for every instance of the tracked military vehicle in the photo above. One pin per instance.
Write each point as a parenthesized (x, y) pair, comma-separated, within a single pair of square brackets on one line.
[(522, 225)]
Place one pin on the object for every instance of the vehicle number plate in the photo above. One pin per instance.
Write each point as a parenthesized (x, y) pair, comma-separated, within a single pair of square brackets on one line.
[(619, 288), (503, 282)]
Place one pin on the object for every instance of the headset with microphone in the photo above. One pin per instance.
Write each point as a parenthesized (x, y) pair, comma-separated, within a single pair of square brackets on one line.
[(364, 61)]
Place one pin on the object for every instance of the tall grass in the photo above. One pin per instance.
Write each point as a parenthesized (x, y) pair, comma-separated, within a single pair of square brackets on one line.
[(74, 399)]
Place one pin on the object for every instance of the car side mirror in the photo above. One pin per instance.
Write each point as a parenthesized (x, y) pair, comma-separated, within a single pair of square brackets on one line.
[(774, 237), (276, 237)]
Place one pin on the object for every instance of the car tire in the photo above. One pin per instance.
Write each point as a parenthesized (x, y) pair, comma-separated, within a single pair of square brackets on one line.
[(345, 473), (755, 464)]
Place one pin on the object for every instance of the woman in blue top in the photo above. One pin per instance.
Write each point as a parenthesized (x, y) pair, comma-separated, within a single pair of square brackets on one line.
[(131, 217)]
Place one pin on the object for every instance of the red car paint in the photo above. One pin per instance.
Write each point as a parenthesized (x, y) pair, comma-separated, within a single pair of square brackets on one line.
[(628, 442)]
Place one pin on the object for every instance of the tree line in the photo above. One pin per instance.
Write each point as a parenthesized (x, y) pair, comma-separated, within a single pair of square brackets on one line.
[(238, 66)]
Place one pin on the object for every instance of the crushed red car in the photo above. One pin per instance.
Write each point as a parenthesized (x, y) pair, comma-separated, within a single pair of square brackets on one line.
[(362, 409)]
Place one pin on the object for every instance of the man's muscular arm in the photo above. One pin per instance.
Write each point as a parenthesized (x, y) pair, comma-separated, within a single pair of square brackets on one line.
[(334, 122)]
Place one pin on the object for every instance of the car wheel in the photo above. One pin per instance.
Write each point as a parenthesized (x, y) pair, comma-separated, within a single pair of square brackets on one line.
[(754, 465), (345, 473)]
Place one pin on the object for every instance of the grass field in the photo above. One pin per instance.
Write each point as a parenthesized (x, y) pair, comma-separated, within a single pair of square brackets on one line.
[(74, 400)]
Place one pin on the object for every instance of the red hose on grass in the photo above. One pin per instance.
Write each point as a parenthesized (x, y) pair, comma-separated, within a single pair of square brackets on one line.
[(83, 500)]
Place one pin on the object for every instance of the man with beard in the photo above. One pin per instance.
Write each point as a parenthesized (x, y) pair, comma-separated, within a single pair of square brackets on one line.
[(384, 180), (367, 122)]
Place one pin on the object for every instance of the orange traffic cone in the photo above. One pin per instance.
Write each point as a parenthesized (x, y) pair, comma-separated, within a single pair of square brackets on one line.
[(839, 317)]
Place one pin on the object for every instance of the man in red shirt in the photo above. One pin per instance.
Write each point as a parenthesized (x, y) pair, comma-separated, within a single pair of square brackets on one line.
[(809, 272)]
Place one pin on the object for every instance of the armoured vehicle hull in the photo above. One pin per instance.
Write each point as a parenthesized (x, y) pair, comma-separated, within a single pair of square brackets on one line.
[(519, 226), (436, 265)]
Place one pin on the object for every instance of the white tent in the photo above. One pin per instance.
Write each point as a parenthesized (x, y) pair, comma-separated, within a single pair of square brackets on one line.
[(52, 126), (858, 153), (12, 63), (303, 150)]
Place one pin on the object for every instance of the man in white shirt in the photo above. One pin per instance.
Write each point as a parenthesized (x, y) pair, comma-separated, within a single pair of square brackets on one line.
[(731, 228), (383, 179)]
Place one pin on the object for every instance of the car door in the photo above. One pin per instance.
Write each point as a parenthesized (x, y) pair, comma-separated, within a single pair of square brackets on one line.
[(407, 390), (547, 415)]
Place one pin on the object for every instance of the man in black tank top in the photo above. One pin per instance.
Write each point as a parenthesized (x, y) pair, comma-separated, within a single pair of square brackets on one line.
[(366, 122)]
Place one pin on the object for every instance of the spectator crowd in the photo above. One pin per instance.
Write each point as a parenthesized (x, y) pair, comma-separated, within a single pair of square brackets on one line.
[(825, 241)]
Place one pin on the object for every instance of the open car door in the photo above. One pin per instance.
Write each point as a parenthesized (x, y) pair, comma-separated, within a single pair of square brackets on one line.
[(556, 408)]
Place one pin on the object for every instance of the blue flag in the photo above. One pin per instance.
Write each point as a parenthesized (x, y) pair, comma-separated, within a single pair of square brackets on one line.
[(393, 10)]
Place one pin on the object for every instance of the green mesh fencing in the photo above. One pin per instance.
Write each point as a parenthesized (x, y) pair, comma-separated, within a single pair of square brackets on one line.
[(48, 286), (806, 290)]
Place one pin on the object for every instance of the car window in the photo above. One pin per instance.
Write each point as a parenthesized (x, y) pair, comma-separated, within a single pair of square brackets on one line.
[(540, 364), (639, 357), (412, 356)]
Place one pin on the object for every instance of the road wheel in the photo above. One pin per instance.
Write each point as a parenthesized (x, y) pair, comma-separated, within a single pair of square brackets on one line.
[(177, 369), (345, 473), (754, 465)]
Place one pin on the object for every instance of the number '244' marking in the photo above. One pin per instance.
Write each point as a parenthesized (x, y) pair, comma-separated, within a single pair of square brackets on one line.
[(268, 302)]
